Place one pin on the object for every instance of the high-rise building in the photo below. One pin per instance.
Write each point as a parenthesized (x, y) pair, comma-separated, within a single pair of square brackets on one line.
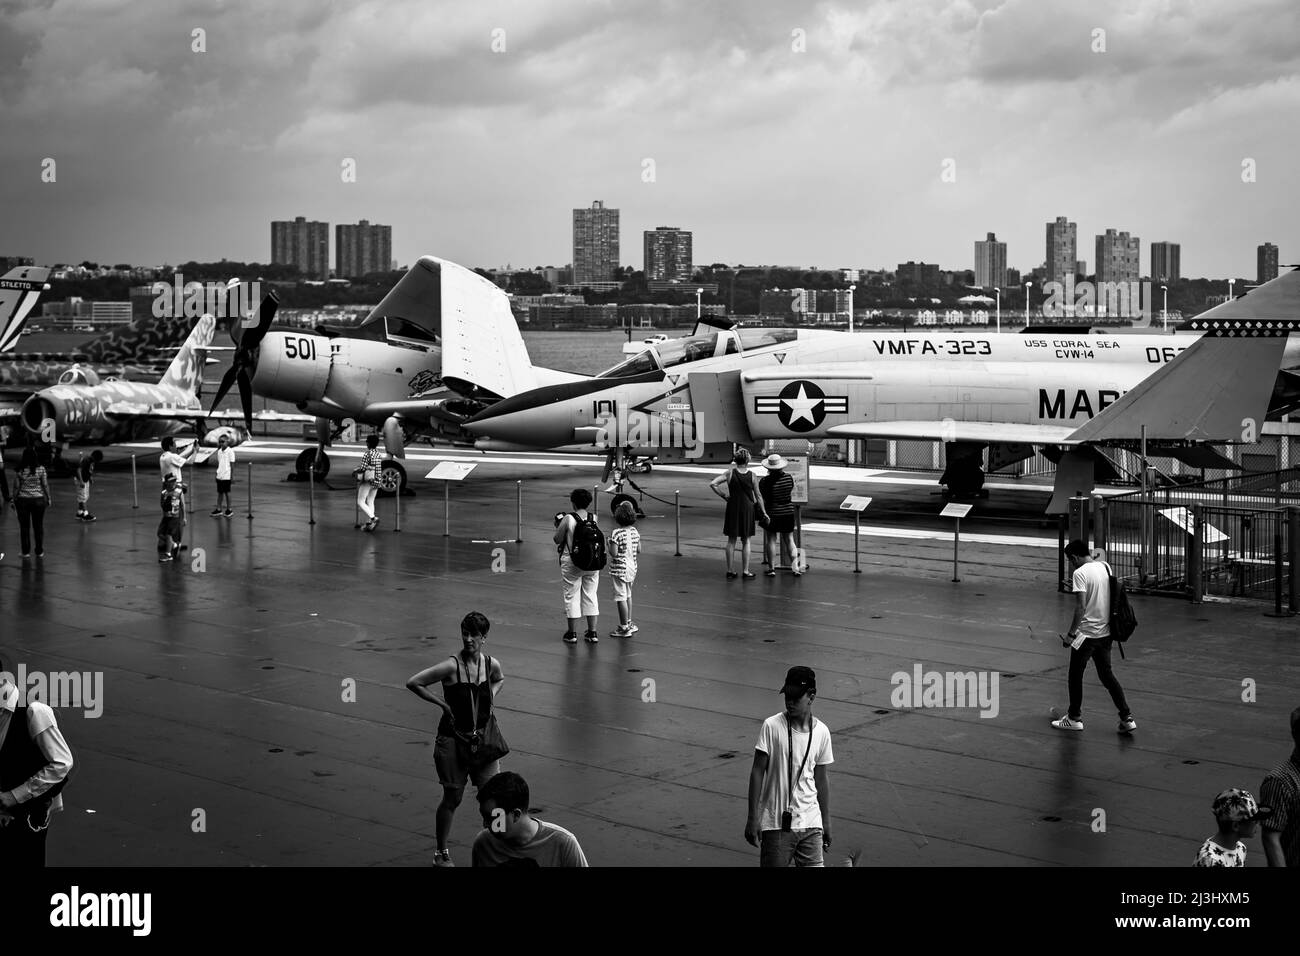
[(1265, 263), (1165, 266), (1062, 249), (1118, 257), (668, 254), (990, 263), (303, 244), (595, 244), (917, 273), (362, 249), (1081, 267)]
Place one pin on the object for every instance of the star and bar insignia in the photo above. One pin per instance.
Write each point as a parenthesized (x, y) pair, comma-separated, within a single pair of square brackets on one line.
[(801, 406)]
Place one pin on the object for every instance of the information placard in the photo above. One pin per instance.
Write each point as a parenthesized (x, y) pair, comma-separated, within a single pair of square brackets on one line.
[(954, 510), (451, 470), (798, 470), (854, 503)]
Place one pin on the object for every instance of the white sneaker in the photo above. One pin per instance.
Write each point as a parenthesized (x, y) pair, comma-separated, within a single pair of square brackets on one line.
[(1065, 723), (1127, 725)]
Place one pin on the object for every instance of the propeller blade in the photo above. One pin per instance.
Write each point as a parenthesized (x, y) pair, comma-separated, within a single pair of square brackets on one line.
[(265, 313), (227, 380), (246, 396)]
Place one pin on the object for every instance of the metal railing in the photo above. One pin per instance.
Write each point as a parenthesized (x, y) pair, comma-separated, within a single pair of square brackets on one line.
[(1202, 549)]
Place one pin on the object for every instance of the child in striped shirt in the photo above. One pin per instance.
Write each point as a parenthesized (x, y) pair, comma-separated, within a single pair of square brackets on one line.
[(624, 546)]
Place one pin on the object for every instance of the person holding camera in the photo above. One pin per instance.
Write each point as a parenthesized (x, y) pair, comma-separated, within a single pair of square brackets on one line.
[(469, 745), (789, 794)]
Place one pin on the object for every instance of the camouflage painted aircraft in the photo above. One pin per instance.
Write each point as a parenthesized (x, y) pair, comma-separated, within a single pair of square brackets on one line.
[(91, 411), (132, 351), (1070, 393), (20, 290)]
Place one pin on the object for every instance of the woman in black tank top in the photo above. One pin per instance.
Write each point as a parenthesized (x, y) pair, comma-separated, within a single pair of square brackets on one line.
[(470, 680)]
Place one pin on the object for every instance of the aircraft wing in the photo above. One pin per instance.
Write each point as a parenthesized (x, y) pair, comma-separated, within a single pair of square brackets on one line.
[(948, 431), (140, 411)]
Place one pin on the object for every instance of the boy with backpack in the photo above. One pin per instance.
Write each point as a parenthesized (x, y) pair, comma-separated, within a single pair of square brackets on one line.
[(83, 475), (624, 546), (581, 546), (1090, 638)]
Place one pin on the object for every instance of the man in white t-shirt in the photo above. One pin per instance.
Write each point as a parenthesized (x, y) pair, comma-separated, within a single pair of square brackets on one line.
[(34, 765), (170, 463), (225, 475), (1089, 637), (789, 795)]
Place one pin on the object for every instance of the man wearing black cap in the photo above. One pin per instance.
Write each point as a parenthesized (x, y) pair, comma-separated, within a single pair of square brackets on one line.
[(789, 796), (1089, 638)]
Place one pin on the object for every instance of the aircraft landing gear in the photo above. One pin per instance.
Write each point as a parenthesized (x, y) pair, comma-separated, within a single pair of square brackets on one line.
[(616, 473), (965, 478), (308, 458)]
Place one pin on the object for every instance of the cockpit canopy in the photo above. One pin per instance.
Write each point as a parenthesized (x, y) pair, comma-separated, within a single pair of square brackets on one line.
[(79, 375), (695, 347)]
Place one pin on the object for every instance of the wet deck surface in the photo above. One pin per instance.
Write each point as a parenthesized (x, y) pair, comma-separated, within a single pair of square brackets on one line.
[(223, 688)]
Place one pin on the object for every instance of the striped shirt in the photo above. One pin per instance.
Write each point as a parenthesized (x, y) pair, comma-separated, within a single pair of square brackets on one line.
[(777, 487), (1281, 791), (624, 543), (31, 484)]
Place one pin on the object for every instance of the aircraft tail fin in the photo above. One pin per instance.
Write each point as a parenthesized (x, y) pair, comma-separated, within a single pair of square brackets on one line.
[(20, 290), (483, 352), (1217, 390), (186, 370)]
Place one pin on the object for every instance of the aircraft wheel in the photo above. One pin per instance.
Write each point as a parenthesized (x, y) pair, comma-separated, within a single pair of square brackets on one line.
[(619, 499), (392, 478), (304, 463)]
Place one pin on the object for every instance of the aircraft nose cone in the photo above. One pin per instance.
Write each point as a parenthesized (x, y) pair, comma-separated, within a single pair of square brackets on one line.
[(535, 423)]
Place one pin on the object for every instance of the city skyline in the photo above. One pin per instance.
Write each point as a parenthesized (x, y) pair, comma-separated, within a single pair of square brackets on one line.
[(670, 114)]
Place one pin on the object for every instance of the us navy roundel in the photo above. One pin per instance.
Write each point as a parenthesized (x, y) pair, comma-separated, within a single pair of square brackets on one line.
[(802, 406)]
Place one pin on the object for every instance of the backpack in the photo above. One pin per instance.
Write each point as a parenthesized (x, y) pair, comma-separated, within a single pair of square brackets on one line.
[(1122, 618), (588, 552)]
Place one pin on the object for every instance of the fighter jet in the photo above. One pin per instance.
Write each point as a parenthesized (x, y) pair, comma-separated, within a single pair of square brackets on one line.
[(20, 290), (389, 371), (694, 398), (82, 409)]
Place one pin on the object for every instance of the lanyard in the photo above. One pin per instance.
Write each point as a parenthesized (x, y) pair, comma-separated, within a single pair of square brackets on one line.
[(789, 752), (473, 691)]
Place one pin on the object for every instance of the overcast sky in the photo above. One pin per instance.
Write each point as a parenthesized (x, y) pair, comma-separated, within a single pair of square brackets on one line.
[(780, 132)]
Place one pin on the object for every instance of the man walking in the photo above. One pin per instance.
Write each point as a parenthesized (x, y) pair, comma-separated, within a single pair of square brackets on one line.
[(1089, 638), (34, 766), (789, 795), (1281, 791)]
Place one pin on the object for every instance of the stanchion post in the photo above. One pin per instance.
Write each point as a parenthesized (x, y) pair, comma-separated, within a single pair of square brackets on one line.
[(677, 523), (1194, 575), (311, 494), (189, 494), (519, 511), (956, 540), (1293, 550), (446, 508), (857, 528), (397, 512), (135, 488), (250, 491), (595, 499), (1277, 563)]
